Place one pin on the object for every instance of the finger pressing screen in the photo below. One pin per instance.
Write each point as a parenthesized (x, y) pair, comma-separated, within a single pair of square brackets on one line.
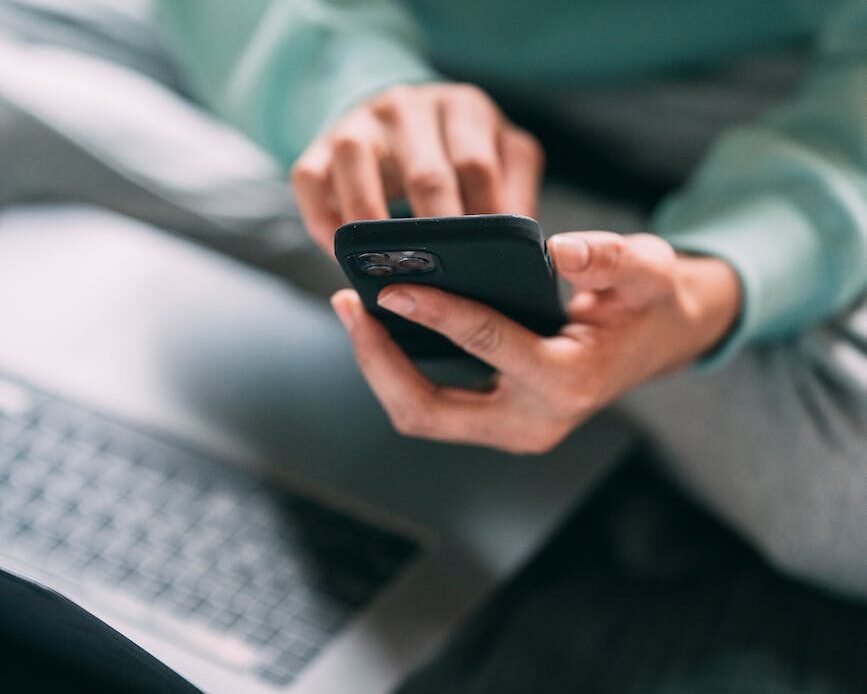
[(638, 264), (475, 328), (414, 405), (523, 164), (470, 126), (426, 174)]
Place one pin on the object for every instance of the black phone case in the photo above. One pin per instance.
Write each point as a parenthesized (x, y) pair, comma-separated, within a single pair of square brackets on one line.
[(498, 260)]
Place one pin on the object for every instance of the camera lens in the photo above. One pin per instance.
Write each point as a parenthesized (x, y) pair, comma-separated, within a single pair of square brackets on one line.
[(379, 270), (373, 258), (414, 263)]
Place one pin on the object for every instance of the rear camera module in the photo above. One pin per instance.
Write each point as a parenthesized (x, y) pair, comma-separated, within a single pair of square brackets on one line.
[(414, 263), (379, 270), (374, 258)]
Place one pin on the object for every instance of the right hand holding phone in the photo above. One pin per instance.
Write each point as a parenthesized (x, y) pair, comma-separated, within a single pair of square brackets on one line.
[(446, 148), (638, 310)]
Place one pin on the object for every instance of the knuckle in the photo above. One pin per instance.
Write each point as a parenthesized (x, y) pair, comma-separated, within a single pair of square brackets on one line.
[(347, 143), (305, 173), (427, 181), (609, 256), (477, 169), (391, 105), (388, 111), (483, 338), (528, 146)]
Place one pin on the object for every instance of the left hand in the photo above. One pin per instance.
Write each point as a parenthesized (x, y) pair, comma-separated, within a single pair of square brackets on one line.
[(638, 310), (447, 148)]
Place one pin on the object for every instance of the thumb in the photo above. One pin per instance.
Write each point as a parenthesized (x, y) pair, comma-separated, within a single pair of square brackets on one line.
[(602, 260), (639, 267)]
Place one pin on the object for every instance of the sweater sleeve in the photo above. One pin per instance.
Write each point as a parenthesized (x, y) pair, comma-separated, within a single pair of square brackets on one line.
[(784, 201), (282, 70)]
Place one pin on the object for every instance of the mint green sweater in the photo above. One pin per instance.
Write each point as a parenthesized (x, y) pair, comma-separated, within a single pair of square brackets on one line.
[(783, 200)]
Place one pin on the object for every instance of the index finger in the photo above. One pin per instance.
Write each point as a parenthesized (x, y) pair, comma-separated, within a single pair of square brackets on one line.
[(415, 406), (637, 266), (477, 329), (470, 129), (425, 171), (523, 165)]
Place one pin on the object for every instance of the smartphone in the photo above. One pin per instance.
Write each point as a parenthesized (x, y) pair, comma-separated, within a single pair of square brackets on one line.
[(498, 260)]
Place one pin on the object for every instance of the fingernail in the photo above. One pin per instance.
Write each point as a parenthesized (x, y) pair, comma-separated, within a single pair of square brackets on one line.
[(397, 300), (345, 310), (570, 252)]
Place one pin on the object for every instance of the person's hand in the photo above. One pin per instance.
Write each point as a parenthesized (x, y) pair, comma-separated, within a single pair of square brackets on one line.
[(638, 310), (446, 148)]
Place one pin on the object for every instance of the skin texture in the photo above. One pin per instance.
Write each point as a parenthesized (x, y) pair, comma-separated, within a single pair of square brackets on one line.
[(638, 309), (446, 148)]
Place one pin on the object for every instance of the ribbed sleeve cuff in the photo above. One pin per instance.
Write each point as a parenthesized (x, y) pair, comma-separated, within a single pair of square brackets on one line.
[(773, 247)]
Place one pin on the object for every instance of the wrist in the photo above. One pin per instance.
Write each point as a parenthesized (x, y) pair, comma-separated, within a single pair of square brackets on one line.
[(709, 293)]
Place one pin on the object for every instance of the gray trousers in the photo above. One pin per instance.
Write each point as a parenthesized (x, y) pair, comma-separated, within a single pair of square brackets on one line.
[(775, 442)]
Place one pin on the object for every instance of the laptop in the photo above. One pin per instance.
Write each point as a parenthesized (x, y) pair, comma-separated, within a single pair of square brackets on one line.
[(188, 451)]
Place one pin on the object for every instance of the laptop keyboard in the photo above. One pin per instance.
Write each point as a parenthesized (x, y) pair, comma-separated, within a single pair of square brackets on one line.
[(269, 576)]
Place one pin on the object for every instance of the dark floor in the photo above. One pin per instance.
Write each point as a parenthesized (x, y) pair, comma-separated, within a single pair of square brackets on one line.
[(642, 592)]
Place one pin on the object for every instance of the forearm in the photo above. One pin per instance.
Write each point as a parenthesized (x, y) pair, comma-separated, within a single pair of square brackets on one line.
[(283, 70), (783, 201)]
